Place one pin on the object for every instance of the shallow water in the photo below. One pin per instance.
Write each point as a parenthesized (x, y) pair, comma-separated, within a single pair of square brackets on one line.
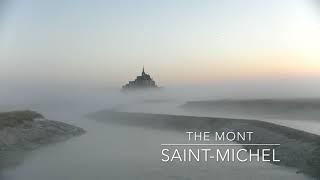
[(121, 152)]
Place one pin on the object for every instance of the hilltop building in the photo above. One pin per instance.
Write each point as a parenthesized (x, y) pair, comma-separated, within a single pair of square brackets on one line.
[(143, 81)]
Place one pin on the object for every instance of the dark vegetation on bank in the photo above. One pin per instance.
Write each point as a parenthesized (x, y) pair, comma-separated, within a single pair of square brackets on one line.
[(16, 118), (298, 149), (22, 131)]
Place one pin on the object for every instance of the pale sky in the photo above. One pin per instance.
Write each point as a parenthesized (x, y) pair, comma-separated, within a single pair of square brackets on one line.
[(178, 41)]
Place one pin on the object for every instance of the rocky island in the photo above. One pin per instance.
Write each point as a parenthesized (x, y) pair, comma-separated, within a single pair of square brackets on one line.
[(22, 131), (141, 82)]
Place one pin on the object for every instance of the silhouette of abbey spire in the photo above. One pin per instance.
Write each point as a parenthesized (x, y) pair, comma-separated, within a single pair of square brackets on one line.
[(143, 73), (143, 81)]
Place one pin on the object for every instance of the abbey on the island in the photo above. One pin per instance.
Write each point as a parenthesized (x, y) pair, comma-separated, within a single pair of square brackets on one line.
[(143, 81)]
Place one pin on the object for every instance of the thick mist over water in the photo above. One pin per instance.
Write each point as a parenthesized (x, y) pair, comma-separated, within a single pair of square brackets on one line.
[(81, 100), (56, 102), (107, 151), (90, 97), (67, 59)]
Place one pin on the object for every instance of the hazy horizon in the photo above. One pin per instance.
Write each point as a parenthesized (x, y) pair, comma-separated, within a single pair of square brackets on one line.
[(105, 43), (69, 59)]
